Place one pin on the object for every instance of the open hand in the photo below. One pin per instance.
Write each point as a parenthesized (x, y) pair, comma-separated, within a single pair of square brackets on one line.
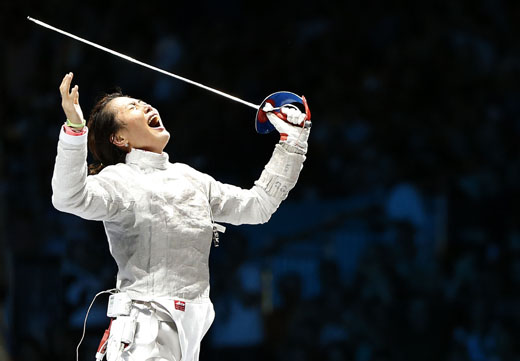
[(70, 100)]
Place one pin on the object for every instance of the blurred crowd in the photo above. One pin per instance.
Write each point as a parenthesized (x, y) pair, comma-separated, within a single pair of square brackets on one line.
[(401, 240)]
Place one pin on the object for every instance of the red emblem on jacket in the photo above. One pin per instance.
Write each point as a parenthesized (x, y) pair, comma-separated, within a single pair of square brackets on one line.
[(180, 305)]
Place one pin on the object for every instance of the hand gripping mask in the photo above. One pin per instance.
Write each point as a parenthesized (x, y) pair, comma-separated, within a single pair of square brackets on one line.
[(278, 100)]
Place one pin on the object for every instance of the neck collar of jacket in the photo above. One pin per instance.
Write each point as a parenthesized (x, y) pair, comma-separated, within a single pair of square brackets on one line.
[(144, 159)]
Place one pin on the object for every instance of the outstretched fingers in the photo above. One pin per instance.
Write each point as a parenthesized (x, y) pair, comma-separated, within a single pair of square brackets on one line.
[(65, 86), (70, 100), (65, 83), (75, 94)]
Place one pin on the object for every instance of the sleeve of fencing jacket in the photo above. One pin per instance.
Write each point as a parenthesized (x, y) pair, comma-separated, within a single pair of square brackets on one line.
[(234, 205), (90, 197)]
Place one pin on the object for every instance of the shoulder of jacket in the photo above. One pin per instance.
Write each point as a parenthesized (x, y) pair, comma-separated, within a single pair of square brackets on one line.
[(183, 168), (116, 171)]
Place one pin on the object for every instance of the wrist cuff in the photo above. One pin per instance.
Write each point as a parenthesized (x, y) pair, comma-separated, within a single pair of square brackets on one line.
[(75, 138), (73, 131)]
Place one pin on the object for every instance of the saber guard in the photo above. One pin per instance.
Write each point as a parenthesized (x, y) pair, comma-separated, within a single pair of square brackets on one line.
[(278, 100)]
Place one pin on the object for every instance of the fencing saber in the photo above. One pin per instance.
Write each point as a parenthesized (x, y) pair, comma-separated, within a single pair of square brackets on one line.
[(126, 57)]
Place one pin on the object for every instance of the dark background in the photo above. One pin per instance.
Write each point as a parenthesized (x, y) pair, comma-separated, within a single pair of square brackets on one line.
[(401, 240)]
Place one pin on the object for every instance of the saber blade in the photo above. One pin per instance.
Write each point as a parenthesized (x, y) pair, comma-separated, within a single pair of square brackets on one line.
[(126, 57)]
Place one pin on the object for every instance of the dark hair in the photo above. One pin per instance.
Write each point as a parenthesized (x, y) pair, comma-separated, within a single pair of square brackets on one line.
[(102, 126)]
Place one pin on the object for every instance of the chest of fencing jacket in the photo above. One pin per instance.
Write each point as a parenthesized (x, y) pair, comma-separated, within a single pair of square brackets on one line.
[(162, 240), (158, 215)]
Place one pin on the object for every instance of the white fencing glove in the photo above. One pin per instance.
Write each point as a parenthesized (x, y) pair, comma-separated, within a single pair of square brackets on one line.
[(292, 124)]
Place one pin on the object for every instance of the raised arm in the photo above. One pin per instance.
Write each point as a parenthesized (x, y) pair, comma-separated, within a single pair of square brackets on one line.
[(70, 103), (95, 197), (233, 205)]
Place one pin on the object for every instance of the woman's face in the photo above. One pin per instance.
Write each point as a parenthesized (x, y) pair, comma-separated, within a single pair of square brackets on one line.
[(142, 125)]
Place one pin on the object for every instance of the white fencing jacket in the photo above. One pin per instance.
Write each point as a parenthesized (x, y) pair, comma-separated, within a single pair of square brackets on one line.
[(158, 219)]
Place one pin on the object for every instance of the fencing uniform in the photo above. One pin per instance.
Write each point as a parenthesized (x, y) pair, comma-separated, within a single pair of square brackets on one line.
[(158, 220)]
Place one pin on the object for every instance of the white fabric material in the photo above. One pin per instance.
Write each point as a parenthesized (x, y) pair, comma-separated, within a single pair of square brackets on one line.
[(162, 333), (157, 217)]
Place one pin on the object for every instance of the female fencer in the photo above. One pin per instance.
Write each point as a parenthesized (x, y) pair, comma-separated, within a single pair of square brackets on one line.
[(159, 216)]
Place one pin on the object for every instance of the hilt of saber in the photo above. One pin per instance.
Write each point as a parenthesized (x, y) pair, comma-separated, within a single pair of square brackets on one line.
[(277, 110), (278, 101)]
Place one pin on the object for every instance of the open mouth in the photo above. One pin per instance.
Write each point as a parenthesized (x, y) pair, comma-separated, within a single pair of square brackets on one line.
[(154, 121)]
